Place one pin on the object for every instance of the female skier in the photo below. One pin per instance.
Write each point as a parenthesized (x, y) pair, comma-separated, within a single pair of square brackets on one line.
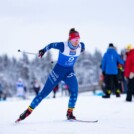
[(69, 51)]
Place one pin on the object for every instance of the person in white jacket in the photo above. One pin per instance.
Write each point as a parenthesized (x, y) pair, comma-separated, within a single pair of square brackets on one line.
[(20, 87)]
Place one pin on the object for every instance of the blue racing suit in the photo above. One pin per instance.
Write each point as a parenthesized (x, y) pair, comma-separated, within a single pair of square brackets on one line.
[(63, 70)]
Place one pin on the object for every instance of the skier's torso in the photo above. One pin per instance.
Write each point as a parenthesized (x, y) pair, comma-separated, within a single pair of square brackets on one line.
[(68, 57)]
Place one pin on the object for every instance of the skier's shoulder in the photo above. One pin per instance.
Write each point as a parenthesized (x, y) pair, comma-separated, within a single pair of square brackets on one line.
[(57, 44)]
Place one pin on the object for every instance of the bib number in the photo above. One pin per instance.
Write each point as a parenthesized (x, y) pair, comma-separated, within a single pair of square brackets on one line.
[(71, 59)]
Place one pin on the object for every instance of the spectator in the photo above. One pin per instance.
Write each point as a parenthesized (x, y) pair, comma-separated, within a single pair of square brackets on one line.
[(110, 62), (129, 72), (2, 93), (21, 89), (121, 77), (55, 91), (64, 89), (36, 87), (123, 55)]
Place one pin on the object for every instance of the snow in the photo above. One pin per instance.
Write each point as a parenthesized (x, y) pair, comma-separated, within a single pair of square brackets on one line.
[(115, 116)]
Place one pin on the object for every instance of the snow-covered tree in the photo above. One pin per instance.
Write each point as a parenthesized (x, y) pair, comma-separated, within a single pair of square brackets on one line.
[(11, 69)]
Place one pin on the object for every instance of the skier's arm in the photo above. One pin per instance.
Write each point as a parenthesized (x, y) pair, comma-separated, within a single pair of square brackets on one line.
[(57, 45), (82, 47)]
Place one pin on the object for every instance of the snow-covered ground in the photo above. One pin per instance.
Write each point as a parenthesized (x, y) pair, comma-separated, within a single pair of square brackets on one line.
[(115, 115)]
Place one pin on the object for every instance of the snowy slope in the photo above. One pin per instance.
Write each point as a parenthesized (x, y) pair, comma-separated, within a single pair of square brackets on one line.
[(115, 116)]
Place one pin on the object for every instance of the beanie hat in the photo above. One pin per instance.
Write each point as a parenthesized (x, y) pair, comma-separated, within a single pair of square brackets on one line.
[(73, 34), (129, 47)]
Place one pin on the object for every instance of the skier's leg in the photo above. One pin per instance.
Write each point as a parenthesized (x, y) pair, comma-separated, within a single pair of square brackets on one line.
[(72, 83), (53, 79)]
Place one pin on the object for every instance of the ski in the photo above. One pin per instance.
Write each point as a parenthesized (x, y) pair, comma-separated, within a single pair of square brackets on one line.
[(86, 121), (71, 120)]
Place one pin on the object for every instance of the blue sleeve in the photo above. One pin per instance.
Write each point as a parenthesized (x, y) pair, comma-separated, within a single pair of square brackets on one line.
[(82, 47), (120, 60), (56, 45), (103, 63)]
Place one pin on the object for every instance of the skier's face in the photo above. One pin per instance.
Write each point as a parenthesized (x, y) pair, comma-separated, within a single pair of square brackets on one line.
[(75, 41)]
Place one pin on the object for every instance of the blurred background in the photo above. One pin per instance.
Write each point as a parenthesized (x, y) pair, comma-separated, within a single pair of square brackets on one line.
[(30, 25)]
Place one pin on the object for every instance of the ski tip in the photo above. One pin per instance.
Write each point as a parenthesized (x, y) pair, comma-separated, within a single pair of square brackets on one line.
[(18, 120)]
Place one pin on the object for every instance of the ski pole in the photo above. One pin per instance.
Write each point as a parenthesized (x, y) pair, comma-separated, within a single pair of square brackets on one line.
[(24, 52), (27, 52)]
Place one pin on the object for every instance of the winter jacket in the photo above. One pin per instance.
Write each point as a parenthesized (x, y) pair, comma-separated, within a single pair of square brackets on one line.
[(110, 62), (129, 65)]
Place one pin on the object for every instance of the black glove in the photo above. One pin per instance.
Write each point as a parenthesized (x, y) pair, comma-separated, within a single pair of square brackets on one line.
[(41, 53)]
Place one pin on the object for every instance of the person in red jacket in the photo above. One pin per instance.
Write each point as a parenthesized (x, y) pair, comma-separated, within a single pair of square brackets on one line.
[(129, 72)]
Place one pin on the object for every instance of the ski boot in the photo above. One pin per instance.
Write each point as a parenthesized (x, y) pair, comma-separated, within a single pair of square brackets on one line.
[(118, 93), (25, 114), (70, 114), (107, 94)]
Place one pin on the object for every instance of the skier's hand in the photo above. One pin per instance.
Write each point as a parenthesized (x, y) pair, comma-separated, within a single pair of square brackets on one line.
[(41, 53)]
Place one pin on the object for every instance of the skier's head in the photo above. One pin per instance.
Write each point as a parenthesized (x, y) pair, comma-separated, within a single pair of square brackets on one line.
[(74, 37)]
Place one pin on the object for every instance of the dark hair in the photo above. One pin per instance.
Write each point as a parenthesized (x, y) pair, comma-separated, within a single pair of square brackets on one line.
[(111, 45), (72, 30)]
